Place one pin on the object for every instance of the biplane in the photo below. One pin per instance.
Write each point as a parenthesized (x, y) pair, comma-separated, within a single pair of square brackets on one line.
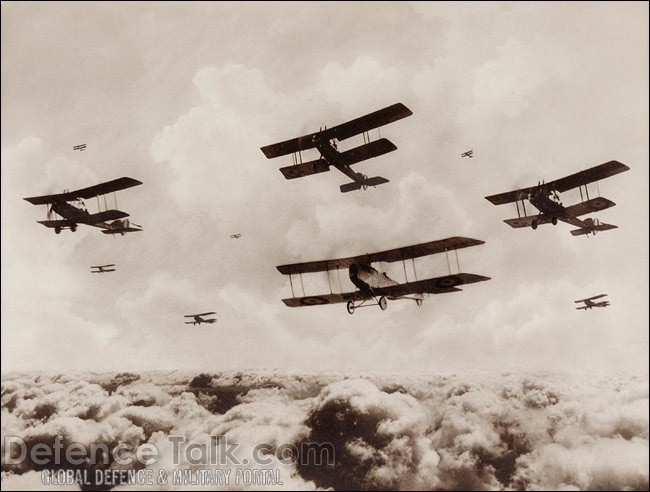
[(80, 147), (589, 302), (374, 287), (103, 268), (198, 318), (235, 236), (544, 197), (112, 221), (469, 153), (326, 140)]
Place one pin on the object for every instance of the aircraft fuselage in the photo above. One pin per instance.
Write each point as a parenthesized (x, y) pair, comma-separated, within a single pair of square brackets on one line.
[(70, 212), (552, 208), (366, 278), (331, 155)]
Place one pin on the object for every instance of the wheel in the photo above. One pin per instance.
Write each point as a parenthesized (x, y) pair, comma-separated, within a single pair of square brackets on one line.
[(534, 224), (351, 307), (364, 185), (554, 220), (383, 303), (418, 302), (73, 227), (57, 230)]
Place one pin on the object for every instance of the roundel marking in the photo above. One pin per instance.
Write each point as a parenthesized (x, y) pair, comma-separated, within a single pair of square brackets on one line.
[(314, 301), (448, 282)]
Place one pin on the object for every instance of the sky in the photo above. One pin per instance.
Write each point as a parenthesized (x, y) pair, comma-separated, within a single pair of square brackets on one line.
[(181, 96)]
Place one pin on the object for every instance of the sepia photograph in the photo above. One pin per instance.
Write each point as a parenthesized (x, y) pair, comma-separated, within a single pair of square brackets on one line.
[(199, 198)]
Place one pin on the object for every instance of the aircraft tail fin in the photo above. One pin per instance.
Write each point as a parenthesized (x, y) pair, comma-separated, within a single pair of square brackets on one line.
[(357, 185)]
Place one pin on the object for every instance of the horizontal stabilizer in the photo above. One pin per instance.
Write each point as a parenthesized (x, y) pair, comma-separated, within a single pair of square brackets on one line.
[(305, 169), (121, 230), (589, 230), (356, 185)]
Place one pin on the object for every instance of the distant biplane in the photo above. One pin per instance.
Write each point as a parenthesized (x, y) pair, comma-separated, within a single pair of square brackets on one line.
[(80, 147), (198, 318), (545, 198), (589, 302), (112, 221), (376, 286), (326, 142), (235, 236), (469, 153), (103, 268)]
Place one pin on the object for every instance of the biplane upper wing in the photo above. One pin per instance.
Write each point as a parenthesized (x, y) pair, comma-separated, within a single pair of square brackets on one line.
[(510, 196), (102, 266), (438, 285), (340, 132), (587, 176), (397, 254), (89, 192), (201, 314), (581, 178), (591, 298)]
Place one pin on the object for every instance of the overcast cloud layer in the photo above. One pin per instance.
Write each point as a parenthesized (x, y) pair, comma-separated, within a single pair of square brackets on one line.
[(182, 97), (472, 432)]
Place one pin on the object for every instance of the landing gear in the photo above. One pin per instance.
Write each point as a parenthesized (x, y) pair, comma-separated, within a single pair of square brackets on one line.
[(534, 224), (418, 302), (57, 230), (364, 185), (351, 307), (383, 303), (554, 220), (73, 227)]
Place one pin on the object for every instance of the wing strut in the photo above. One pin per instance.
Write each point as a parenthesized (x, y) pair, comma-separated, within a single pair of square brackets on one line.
[(457, 262), (414, 271), (338, 272), (406, 278), (447, 256), (329, 281), (302, 285), (291, 282)]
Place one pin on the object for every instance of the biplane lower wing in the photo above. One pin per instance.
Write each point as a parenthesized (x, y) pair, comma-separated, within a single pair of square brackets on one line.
[(367, 151), (104, 216), (438, 285), (325, 299), (518, 222), (589, 206), (55, 223), (305, 169)]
